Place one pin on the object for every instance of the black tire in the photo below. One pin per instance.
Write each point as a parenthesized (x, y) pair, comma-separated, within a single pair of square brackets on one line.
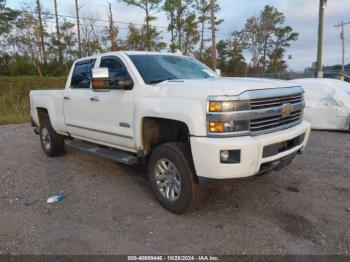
[(191, 194), (51, 142)]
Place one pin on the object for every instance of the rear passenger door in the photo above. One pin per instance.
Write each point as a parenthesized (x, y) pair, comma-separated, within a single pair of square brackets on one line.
[(76, 100)]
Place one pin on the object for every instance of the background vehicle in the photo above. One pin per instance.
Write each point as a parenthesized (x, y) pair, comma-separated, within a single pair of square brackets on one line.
[(190, 126), (327, 103)]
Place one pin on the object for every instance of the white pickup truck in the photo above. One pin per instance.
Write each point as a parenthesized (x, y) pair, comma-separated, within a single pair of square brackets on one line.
[(191, 127)]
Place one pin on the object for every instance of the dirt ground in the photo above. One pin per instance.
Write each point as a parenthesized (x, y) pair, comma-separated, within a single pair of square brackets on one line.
[(109, 208)]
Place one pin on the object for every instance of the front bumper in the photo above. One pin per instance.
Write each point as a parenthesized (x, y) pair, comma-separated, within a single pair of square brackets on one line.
[(206, 152)]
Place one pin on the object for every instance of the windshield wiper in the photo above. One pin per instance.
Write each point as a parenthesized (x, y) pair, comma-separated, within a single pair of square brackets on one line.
[(157, 81)]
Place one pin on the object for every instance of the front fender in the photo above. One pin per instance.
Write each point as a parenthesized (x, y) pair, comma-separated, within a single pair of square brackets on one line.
[(190, 111)]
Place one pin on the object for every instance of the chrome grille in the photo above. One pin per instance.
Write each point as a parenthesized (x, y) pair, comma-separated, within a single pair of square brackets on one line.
[(263, 103), (263, 124), (271, 110)]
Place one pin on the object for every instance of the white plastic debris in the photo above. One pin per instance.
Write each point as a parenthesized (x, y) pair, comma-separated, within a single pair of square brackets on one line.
[(55, 199)]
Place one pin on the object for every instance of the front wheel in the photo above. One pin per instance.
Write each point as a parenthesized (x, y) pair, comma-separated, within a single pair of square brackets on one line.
[(51, 142), (171, 175)]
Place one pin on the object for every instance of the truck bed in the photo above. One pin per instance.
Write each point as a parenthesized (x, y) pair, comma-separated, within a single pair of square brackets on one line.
[(50, 99)]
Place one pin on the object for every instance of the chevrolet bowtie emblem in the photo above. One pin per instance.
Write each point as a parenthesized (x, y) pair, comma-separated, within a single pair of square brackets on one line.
[(287, 110)]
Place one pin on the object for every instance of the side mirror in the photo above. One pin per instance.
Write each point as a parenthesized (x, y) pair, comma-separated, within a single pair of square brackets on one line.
[(100, 79), (125, 84)]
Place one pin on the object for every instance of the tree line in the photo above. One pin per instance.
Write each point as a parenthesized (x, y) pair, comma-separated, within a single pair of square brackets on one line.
[(35, 41)]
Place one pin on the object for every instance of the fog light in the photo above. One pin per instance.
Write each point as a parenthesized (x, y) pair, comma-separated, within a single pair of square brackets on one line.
[(224, 155), (230, 156)]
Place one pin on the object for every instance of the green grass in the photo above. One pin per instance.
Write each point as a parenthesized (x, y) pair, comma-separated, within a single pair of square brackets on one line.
[(14, 96)]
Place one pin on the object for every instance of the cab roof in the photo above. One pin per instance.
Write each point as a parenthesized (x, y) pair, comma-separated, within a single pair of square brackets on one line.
[(129, 53)]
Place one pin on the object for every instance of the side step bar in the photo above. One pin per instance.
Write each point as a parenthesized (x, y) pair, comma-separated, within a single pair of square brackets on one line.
[(112, 154)]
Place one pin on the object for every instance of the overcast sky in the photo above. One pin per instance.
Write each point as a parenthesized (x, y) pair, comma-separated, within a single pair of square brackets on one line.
[(302, 15)]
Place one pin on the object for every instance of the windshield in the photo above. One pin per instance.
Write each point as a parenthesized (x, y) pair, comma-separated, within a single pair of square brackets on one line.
[(158, 68)]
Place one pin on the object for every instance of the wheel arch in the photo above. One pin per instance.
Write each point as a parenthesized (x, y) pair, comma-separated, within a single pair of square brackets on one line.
[(158, 130), (42, 113)]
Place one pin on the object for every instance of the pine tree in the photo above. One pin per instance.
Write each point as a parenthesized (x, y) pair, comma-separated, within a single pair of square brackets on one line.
[(267, 39), (203, 9), (7, 18), (112, 30), (41, 31), (150, 7), (183, 25)]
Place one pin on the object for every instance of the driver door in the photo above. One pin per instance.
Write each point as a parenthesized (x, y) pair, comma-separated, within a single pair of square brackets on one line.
[(112, 110)]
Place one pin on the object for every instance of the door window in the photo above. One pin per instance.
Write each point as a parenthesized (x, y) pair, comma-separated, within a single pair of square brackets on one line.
[(82, 75), (117, 70)]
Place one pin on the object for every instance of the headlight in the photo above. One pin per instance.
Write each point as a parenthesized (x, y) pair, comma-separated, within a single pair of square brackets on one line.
[(221, 111), (231, 126), (228, 106)]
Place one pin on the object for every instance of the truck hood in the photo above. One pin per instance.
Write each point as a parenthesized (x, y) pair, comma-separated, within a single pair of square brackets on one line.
[(229, 86)]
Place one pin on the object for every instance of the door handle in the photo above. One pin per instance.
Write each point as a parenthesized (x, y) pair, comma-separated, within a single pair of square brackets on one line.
[(66, 98), (94, 98)]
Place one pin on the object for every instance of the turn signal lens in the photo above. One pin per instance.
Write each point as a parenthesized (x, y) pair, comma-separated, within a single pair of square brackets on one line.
[(216, 127), (232, 126)]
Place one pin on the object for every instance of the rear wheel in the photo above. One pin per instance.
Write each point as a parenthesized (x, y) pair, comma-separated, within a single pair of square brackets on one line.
[(51, 142), (171, 175)]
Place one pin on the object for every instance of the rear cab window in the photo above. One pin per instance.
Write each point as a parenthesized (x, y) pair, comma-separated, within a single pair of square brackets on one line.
[(82, 75)]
